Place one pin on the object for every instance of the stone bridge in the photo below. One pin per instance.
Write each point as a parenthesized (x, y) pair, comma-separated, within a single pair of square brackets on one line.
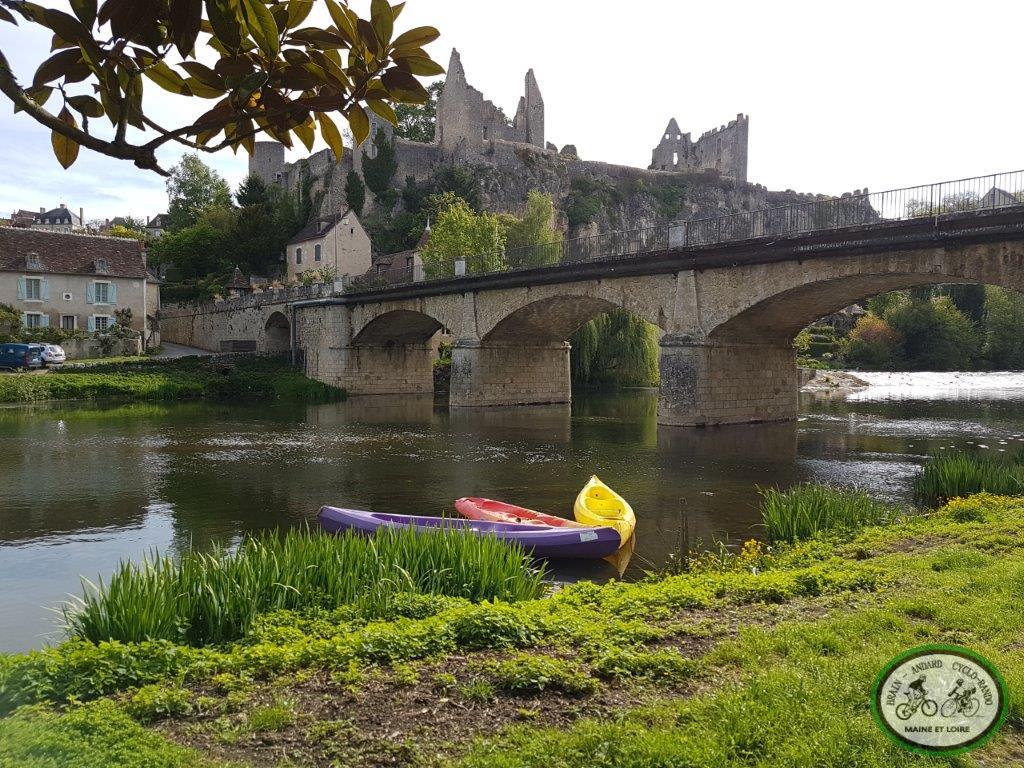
[(728, 314)]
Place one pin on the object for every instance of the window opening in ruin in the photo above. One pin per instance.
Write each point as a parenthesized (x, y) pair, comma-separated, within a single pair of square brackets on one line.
[(675, 158)]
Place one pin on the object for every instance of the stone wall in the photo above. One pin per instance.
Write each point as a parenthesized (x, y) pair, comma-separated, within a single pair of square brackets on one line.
[(510, 374), (721, 149)]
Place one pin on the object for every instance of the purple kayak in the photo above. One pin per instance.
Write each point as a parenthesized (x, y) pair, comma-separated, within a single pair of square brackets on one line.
[(540, 540)]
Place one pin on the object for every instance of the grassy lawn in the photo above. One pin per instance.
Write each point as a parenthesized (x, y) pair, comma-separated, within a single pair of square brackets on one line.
[(764, 658), (176, 379)]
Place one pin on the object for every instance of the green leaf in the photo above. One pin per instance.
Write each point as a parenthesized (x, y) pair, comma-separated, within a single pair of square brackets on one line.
[(331, 135), (396, 10), (383, 109), (225, 22), (85, 10), (359, 123), (204, 74), (56, 66), (262, 26), (298, 10), (167, 78), (307, 133), (418, 65), (404, 87), (343, 22), (86, 105), (186, 18), (64, 148), (416, 38), (5, 15), (202, 90), (383, 21)]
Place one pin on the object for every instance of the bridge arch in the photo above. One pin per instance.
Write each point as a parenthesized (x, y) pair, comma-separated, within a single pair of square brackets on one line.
[(398, 327), (278, 333), (548, 320), (783, 302)]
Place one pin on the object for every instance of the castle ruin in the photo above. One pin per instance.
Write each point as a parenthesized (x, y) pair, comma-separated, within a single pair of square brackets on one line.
[(471, 130), (723, 149)]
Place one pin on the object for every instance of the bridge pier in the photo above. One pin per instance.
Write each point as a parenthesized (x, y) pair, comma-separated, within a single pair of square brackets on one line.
[(493, 373), (706, 382), (385, 369)]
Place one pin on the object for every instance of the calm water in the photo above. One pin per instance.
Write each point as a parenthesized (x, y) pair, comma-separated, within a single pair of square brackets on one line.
[(82, 487)]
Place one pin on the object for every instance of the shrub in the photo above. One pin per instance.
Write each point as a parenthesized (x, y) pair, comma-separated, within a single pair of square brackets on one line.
[(529, 673), (663, 665), (154, 702), (958, 474), (212, 598), (808, 509), (494, 626), (873, 344)]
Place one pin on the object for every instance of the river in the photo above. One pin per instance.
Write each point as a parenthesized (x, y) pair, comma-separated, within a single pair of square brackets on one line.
[(83, 486)]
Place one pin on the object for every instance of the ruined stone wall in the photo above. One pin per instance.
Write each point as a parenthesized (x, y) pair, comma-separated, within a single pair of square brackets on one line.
[(722, 149)]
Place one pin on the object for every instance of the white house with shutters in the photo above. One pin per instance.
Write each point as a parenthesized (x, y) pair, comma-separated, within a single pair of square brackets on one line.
[(75, 282)]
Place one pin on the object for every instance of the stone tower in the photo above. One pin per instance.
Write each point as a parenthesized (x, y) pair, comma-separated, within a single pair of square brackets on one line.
[(466, 121), (267, 161), (674, 149)]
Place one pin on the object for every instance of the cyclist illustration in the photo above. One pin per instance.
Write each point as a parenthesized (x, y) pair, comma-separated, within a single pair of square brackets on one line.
[(961, 702), (917, 698)]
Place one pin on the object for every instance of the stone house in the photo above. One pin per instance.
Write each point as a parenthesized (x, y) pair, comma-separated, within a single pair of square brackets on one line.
[(403, 266), (76, 282), (60, 219), (155, 226), (337, 242)]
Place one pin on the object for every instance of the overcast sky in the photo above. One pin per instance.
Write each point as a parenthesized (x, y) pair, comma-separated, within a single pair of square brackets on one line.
[(840, 95)]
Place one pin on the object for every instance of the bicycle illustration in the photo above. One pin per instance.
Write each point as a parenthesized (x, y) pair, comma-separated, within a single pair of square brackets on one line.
[(917, 698), (961, 702)]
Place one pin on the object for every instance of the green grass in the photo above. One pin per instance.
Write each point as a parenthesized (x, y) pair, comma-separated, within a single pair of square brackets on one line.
[(177, 379), (95, 735), (211, 598), (959, 474), (809, 509)]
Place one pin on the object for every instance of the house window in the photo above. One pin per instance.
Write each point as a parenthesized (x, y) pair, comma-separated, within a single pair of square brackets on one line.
[(298, 255), (68, 322), (33, 289), (33, 319), (408, 262), (316, 253), (102, 293), (101, 323)]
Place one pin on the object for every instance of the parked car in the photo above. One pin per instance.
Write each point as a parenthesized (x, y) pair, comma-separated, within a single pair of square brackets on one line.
[(53, 354), (20, 356)]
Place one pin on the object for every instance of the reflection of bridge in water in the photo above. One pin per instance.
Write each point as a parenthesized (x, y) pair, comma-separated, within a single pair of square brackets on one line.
[(728, 294)]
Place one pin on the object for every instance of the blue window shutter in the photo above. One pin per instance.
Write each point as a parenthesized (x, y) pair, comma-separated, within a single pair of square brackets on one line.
[(92, 323), (90, 297), (24, 319), (21, 289), (44, 290), (44, 321), (112, 293)]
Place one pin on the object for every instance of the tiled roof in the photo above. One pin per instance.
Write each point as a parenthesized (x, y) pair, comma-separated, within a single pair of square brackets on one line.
[(318, 228), (157, 222), (58, 215), (67, 254)]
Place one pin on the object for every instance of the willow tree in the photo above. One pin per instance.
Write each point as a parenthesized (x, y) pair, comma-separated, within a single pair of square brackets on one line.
[(617, 349)]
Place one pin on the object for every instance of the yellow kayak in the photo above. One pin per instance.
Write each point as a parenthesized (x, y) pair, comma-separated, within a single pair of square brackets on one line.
[(598, 504)]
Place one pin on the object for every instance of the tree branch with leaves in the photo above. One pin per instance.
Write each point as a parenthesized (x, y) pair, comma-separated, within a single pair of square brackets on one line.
[(271, 76)]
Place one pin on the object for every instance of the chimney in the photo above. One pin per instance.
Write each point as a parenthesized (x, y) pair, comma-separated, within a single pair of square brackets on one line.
[(81, 216), (42, 209)]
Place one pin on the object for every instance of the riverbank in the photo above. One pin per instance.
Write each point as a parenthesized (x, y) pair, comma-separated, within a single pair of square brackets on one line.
[(234, 378), (765, 657)]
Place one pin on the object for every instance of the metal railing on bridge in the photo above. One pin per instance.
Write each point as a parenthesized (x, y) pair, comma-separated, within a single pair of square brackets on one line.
[(979, 193)]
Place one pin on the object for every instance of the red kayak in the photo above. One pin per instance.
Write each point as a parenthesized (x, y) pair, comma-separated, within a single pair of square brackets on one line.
[(500, 512)]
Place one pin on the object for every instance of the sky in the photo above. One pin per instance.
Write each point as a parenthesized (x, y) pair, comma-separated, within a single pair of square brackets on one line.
[(840, 96)]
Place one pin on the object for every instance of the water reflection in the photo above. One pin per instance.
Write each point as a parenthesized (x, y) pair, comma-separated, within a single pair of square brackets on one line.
[(83, 487)]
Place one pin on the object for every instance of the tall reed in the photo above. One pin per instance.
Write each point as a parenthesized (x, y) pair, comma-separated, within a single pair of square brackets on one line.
[(809, 508), (215, 597), (959, 473)]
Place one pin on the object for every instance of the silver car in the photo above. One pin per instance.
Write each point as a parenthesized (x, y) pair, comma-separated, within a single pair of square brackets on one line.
[(53, 354)]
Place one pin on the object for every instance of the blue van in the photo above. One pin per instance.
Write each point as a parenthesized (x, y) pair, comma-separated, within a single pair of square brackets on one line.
[(20, 356)]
